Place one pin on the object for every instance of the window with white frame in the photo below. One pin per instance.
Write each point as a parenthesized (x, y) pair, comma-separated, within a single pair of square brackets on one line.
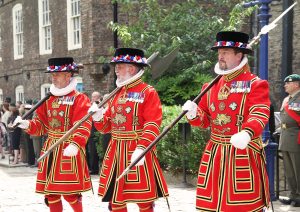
[(74, 24), (1, 96), (18, 31), (45, 35), (20, 93), (45, 88)]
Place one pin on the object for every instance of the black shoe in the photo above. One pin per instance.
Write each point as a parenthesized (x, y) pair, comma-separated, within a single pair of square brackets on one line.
[(285, 201), (295, 203)]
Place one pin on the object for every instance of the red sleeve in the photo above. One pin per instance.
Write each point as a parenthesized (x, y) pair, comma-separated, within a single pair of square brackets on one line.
[(259, 108), (39, 125)]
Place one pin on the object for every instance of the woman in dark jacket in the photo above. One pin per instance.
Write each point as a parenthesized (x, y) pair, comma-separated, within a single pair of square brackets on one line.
[(16, 133)]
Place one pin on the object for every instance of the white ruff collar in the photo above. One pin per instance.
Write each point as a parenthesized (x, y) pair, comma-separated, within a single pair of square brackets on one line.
[(133, 78), (222, 72), (63, 91)]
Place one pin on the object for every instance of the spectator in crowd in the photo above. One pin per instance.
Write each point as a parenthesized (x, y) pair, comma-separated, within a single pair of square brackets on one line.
[(30, 157), (23, 146), (7, 100), (3, 133), (15, 135), (289, 143), (18, 104), (93, 158), (6, 114)]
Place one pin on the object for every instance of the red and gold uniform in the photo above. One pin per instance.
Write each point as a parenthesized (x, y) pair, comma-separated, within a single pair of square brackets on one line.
[(133, 118), (232, 179), (58, 174)]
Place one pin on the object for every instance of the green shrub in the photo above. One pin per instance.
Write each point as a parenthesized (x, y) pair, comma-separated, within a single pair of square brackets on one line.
[(172, 150)]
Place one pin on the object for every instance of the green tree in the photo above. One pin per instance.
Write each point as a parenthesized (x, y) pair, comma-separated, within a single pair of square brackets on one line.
[(192, 25)]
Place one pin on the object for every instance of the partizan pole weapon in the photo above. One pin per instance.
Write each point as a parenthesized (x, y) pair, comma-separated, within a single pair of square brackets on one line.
[(264, 30)]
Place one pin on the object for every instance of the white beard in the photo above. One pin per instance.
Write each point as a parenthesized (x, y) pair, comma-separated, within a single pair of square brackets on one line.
[(131, 79)]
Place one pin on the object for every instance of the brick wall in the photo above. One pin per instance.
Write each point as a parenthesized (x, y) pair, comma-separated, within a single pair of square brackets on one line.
[(96, 41)]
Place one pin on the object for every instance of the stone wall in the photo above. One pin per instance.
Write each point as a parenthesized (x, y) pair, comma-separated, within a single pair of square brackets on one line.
[(275, 52)]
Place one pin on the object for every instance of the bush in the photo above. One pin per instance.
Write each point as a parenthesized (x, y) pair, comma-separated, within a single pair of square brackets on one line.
[(170, 149)]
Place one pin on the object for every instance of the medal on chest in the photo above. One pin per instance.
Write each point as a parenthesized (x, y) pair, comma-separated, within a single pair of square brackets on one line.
[(240, 87), (294, 106)]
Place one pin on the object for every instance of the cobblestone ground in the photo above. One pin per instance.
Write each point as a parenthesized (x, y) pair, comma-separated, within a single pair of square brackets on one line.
[(17, 194)]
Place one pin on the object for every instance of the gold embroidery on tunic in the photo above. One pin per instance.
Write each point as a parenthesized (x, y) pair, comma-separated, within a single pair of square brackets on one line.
[(122, 100), (222, 119), (239, 120), (119, 109), (54, 113), (224, 92), (113, 109), (55, 104), (222, 106), (54, 123), (212, 107), (135, 120), (119, 119), (226, 129)]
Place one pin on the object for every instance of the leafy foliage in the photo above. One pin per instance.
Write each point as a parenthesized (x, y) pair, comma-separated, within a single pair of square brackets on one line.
[(173, 149), (192, 25)]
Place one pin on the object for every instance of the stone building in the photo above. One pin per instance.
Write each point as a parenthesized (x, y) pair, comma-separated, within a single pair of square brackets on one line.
[(31, 31)]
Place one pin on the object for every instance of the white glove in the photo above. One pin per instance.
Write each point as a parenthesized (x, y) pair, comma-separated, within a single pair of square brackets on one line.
[(137, 152), (191, 107), (240, 140), (71, 150), (23, 124), (98, 112)]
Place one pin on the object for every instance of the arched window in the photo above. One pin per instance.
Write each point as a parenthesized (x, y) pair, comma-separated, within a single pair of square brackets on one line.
[(20, 93), (45, 88)]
